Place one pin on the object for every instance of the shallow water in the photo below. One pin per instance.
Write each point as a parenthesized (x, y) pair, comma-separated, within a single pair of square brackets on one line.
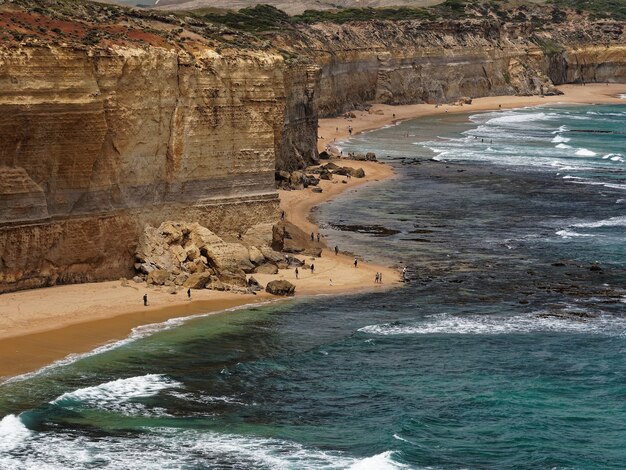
[(505, 351)]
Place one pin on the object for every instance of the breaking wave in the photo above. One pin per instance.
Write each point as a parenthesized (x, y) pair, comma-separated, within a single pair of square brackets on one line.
[(489, 325)]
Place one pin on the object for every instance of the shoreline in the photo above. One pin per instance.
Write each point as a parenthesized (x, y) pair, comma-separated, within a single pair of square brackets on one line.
[(334, 130), (47, 325), (44, 326)]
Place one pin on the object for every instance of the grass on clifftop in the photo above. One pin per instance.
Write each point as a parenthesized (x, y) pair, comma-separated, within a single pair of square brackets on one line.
[(614, 9)]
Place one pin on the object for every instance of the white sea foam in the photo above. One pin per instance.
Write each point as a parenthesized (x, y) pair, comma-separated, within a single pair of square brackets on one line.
[(13, 433), (622, 96), (560, 130), (611, 222), (559, 138), (118, 390), (496, 325), (118, 395), (377, 462), (514, 118), (585, 153), (176, 448), (572, 234), (563, 146), (206, 399)]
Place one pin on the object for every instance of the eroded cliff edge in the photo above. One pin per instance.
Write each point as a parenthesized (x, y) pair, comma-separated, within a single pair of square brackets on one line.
[(111, 120)]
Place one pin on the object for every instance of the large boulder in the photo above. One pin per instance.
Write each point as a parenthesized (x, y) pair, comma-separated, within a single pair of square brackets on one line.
[(158, 277), (197, 280), (278, 237), (356, 172), (271, 255), (267, 268), (280, 287), (228, 257), (234, 277), (255, 255)]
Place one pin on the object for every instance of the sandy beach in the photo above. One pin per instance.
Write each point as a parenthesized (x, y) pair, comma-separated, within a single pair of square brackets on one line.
[(336, 129), (41, 326)]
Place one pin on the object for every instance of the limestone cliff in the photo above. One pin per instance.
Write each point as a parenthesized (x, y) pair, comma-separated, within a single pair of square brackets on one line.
[(112, 119), (416, 61), (98, 141)]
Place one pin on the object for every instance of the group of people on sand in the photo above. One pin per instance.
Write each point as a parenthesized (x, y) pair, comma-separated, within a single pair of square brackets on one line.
[(313, 237), (379, 278)]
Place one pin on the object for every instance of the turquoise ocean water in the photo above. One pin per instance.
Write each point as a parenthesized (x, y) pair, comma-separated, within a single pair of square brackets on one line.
[(506, 350)]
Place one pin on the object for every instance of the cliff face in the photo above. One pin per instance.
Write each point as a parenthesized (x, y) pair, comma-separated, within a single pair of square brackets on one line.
[(96, 143), (441, 61), (110, 121)]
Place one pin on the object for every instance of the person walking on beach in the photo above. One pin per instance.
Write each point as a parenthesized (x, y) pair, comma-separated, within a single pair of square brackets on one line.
[(318, 238), (356, 261), (312, 237), (376, 279), (312, 268), (297, 272), (145, 300), (189, 294), (380, 278), (336, 250)]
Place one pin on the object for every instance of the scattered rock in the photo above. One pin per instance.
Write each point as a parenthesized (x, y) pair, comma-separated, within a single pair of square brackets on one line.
[(280, 287), (138, 279), (254, 285), (317, 189), (324, 155), (356, 172), (172, 290)]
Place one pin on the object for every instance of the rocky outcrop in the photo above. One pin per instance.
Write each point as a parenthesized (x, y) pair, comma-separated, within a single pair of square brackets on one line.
[(188, 254)]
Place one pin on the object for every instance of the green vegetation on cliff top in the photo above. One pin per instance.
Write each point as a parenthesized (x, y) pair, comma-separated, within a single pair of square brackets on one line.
[(614, 9)]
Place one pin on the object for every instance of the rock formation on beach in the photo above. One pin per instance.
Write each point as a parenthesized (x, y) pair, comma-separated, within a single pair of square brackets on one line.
[(190, 255), (113, 119)]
